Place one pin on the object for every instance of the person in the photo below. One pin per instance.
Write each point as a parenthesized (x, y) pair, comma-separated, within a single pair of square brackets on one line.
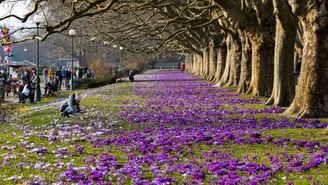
[(27, 76), (63, 72), (71, 106), (131, 76), (29, 88), (85, 70), (51, 87), (59, 77), (21, 96), (178, 65), (80, 73), (45, 75), (77, 73), (14, 74), (298, 66), (32, 85), (89, 74), (67, 77), (297, 70), (50, 72), (27, 93), (4, 77), (183, 67), (68, 87)]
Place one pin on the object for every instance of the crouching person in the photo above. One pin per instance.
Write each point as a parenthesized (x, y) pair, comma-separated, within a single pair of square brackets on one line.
[(71, 106)]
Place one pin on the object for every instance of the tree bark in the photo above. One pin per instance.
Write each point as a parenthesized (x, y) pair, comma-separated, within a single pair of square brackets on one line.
[(236, 55), (225, 76), (212, 61), (198, 62), (221, 61), (262, 69), (206, 62), (283, 91), (312, 88), (246, 65), (259, 25)]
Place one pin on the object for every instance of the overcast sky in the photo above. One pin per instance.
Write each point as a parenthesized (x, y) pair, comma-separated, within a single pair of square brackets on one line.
[(18, 8)]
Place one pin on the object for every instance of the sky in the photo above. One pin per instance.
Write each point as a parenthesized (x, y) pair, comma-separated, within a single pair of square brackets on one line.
[(9, 8), (18, 8)]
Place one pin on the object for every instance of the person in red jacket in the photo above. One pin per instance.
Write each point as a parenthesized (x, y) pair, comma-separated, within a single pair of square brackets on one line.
[(183, 67)]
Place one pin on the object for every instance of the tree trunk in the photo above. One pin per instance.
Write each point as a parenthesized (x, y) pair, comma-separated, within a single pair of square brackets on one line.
[(312, 88), (212, 61), (221, 53), (283, 91), (225, 76), (262, 69), (246, 65), (201, 65), (236, 54), (206, 62), (198, 63), (189, 63), (259, 25)]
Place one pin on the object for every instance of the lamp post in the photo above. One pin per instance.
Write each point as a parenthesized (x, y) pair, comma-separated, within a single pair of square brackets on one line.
[(93, 39), (72, 33), (115, 46), (121, 55), (106, 43), (37, 19)]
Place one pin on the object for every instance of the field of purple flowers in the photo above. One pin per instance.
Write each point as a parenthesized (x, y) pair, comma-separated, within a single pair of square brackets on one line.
[(166, 128)]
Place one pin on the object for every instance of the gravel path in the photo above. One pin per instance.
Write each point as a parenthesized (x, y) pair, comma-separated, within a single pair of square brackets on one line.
[(49, 105)]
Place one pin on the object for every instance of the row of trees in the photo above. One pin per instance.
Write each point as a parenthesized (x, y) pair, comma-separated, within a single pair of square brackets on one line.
[(249, 44), (259, 52)]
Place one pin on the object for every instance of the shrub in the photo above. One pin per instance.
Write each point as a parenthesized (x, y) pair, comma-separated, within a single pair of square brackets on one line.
[(86, 83), (6, 112)]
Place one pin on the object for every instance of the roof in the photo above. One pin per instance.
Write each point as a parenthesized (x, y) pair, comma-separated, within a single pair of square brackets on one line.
[(16, 64), (29, 63)]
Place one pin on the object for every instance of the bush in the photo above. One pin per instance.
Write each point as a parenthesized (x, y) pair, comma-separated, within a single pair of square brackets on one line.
[(86, 83), (6, 112)]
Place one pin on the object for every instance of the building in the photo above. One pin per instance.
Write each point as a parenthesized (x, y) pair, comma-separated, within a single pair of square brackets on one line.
[(67, 62)]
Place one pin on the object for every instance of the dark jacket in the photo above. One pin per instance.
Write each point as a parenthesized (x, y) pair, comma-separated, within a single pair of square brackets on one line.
[(131, 76), (58, 74)]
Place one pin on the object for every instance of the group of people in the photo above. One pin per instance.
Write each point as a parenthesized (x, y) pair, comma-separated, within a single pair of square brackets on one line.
[(64, 75), (27, 86)]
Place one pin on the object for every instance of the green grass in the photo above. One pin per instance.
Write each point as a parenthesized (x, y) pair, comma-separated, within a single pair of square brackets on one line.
[(13, 135)]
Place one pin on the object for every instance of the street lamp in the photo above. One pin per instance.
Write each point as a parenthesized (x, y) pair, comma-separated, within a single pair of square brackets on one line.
[(121, 55), (72, 33), (93, 39), (37, 19), (106, 43)]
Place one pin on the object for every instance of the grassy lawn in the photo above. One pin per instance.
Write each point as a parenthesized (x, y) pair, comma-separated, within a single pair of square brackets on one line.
[(160, 132)]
